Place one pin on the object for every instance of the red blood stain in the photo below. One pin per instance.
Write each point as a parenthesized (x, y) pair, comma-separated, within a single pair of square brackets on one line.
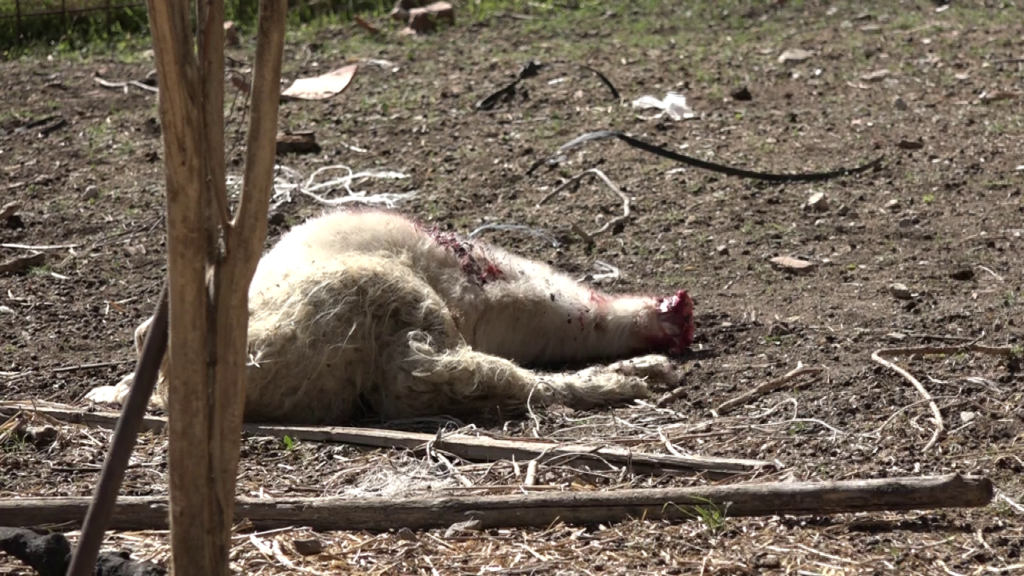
[(479, 270)]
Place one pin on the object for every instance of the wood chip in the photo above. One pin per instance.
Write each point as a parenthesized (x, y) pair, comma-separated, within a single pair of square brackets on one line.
[(876, 76), (794, 265)]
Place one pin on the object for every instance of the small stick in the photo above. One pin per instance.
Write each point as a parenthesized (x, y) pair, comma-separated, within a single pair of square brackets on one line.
[(85, 367), (768, 386), (42, 247), (672, 396), (940, 427), (136, 83), (989, 270), (588, 236)]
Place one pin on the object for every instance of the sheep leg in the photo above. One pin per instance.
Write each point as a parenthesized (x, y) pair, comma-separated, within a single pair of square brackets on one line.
[(424, 380)]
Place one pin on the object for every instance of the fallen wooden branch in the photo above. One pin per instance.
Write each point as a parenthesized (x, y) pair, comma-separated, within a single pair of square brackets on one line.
[(940, 427), (765, 388), (473, 448), (541, 509)]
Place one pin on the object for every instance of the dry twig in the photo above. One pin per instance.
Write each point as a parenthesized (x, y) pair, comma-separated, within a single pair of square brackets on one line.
[(766, 387), (589, 236), (940, 427)]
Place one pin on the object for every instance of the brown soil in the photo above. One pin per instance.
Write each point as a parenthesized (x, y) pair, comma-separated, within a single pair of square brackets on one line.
[(945, 219)]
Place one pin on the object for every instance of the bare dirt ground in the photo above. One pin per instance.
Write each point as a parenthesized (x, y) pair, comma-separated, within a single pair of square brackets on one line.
[(944, 216)]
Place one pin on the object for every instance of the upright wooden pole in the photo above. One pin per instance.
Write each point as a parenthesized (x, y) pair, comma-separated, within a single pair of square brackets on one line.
[(208, 286)]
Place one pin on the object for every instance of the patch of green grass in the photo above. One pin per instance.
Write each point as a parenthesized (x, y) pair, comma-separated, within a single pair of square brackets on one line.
[(43, 270), (14, 443), (712, 515), (289, 443)]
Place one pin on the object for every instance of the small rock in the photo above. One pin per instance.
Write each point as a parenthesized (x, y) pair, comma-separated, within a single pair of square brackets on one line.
[(893, 205), (406, 534), (897, 336), (843, 210), (742, 95), (900, 291), (90, 193), (906, 222), (793, 265), (910, 144), (795, 55), (968, 416), (308, 547), (722, 250), (817, 202), (900, 104), (963, 274)]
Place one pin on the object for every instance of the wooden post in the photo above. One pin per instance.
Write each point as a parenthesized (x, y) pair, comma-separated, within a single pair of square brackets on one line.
[(208, 287)]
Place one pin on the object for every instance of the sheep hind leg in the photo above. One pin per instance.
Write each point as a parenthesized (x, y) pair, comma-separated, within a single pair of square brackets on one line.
[(463, 382)]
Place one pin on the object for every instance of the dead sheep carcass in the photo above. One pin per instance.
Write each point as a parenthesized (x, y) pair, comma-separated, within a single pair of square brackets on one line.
[(367, 312)]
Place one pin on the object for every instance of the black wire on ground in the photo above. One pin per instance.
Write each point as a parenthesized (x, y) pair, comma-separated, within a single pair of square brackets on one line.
[(711, 166)]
